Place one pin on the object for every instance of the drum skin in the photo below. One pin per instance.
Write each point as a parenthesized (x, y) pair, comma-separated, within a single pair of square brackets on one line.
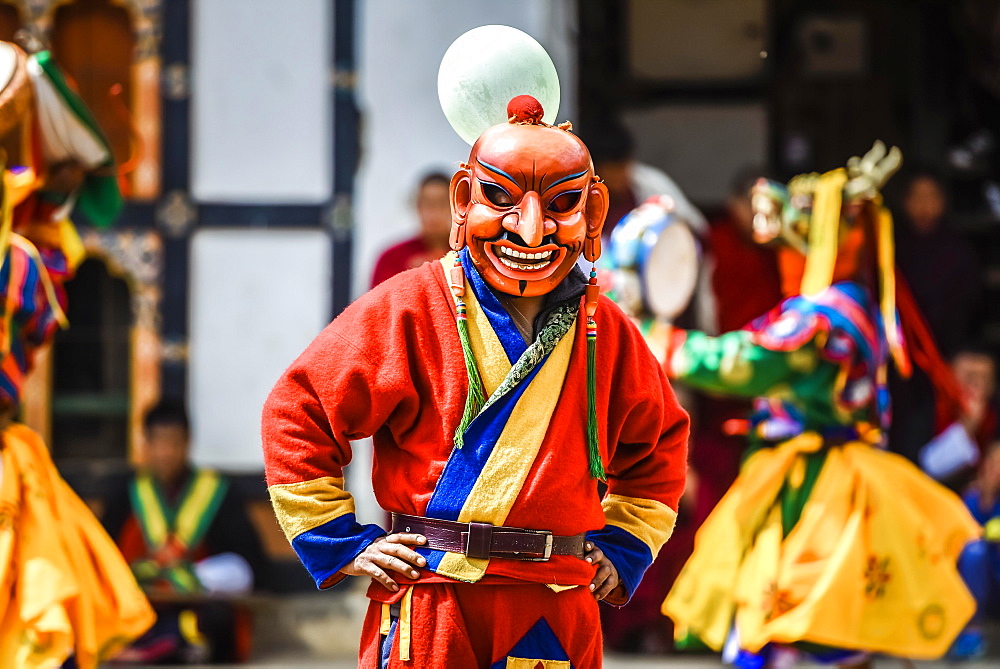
[(653, 261)]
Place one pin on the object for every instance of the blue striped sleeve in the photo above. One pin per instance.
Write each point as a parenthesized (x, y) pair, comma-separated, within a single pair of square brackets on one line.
[(629, 554), (328, 548)]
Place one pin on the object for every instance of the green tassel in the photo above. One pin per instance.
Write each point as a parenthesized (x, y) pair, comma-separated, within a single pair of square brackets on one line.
[(593, 441), (475, 400)]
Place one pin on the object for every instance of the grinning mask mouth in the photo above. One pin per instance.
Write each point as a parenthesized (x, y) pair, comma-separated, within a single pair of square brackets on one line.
[(513, 257)]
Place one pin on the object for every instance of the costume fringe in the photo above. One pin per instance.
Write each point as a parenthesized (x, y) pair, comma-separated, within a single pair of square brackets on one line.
[(475, 399), (593, 441)]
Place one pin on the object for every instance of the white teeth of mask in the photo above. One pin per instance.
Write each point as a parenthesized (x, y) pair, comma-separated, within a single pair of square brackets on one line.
[(517, 265), (539, 259), (513, 253)]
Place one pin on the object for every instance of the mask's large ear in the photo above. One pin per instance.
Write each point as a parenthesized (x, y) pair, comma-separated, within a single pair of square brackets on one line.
[(461, 199), (595, 211)]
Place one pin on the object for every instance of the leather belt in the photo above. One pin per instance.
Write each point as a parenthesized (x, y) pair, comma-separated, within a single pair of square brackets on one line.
[(482, 540)]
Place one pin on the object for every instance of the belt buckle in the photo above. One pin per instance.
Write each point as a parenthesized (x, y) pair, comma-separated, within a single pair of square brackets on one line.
[(547, 553)]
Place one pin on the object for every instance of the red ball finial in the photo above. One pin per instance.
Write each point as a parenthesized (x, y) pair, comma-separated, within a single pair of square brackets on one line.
[(525, 109)]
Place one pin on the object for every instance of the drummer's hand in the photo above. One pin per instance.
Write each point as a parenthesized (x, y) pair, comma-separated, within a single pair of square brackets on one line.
[(389, 554), (606, 581)]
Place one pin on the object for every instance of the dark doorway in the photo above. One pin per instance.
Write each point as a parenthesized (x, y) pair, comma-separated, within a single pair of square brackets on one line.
[(91, 360)]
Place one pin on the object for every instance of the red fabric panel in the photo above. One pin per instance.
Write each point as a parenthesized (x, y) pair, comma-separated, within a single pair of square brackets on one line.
[(477, 625), (399, 258)]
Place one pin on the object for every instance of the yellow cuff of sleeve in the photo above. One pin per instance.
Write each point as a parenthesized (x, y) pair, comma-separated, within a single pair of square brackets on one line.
[(300, 507)]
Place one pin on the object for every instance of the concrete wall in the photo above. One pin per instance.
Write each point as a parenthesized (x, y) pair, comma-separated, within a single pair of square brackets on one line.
[(261, 116)]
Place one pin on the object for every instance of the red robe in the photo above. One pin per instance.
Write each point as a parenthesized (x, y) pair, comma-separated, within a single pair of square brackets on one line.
[(391, 366)]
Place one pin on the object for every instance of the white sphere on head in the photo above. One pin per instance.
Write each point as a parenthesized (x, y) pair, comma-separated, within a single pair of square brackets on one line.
[(486, 67)]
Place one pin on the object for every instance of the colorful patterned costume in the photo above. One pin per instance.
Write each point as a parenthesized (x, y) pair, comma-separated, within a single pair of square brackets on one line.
[(825, 541), (493, 407), (64, 588), (174, 536), (826, 523), (392, 366), (66, 591), (981, 560), (150, 523), (67, 166)]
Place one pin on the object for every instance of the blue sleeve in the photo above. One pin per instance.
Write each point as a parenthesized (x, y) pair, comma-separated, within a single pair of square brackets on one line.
[(629, 554), (328, 548)]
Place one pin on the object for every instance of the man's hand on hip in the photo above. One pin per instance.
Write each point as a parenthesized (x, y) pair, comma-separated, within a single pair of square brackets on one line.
[(606, 579), (389, 554)]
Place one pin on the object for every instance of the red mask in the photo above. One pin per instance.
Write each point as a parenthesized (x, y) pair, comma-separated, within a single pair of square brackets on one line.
[(527, 205)]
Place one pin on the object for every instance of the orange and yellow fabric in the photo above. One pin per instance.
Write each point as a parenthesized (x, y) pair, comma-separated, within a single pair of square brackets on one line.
[(64, 588), (871, 567)]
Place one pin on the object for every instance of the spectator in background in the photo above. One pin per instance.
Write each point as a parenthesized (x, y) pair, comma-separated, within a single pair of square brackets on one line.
[(745, 279), (434, 212), (968, 451), (185, 533), (940, 266), (953, 456), (944, 275), (630, 182), (980, 561)]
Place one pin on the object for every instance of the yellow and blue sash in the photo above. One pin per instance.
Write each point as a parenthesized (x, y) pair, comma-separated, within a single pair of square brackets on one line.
[(183, 524), (482, 479)]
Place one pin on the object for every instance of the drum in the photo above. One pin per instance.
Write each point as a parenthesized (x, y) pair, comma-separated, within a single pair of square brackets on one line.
[(15, 91), (653, 257)]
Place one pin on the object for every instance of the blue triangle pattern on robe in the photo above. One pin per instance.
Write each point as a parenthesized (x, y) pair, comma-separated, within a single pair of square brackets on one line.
[(540, 643)]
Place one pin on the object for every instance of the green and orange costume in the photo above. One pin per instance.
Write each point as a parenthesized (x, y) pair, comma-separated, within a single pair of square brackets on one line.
[(825, 542)]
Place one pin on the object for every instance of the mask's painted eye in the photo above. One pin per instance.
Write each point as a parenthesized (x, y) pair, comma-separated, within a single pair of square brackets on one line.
[(564, 202), (498, 196)]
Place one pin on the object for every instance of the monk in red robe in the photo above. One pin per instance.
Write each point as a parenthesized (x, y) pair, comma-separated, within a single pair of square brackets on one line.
[(495, 409)]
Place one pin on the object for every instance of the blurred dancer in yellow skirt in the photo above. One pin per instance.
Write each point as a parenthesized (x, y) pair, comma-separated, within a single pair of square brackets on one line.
[(825, 544)]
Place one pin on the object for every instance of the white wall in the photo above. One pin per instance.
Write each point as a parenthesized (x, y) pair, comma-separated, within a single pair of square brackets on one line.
[(258, 297), (405, 133), (261, 101)]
